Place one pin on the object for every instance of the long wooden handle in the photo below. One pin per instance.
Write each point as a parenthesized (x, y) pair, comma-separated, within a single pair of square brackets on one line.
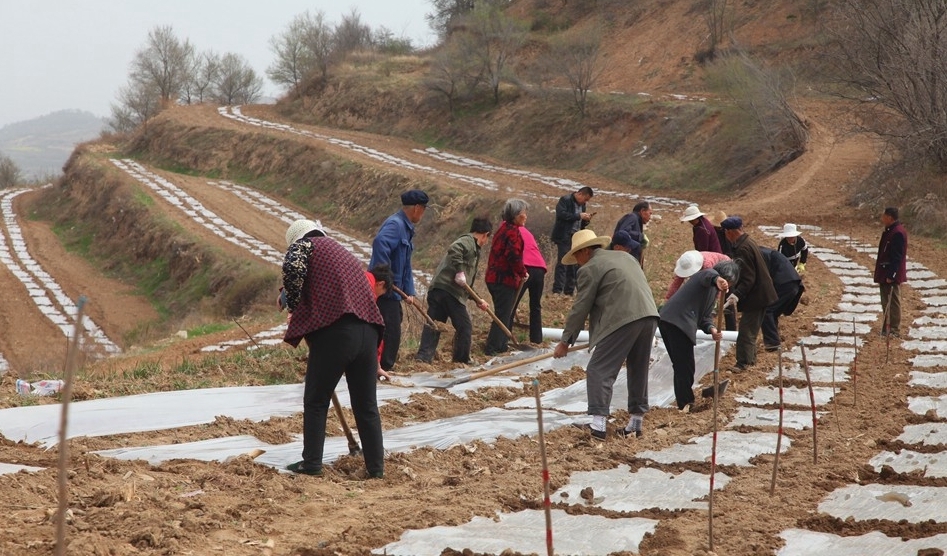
[(528, 360), (493, 315), (353, 444), (427, 317)]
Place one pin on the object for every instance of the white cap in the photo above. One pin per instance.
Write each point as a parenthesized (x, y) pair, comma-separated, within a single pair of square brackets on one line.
[(688, 264), (300, 228), (691, 213), (789, 230)]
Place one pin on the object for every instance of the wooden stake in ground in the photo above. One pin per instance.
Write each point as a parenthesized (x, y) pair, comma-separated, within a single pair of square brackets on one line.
[(779, 431), (70, 371), (547, 505), (805, 367), (838, 420), (855, 363), (886, 327), (713, 451)]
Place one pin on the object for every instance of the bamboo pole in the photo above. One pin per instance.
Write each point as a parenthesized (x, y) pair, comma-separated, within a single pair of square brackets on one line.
[(805, 366), (62, 479), (713, 452), (779, 431), (547, 504)]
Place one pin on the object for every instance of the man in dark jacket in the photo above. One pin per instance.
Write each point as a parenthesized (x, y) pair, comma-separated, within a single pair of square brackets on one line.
[(447, 296), (633, 224), (891, 270), (570, 218), (752, 294), (789, 288)]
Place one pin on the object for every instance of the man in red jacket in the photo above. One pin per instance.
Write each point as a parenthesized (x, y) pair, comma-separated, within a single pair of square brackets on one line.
[(891, 270)]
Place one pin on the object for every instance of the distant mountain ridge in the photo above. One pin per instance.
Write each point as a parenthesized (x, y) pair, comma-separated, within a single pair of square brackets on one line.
[(42, 145)]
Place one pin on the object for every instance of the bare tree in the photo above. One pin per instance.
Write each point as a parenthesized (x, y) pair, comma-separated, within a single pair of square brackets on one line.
[(494, 39), (386, 42), (163, 63), (136, 104), (236, 81), (447, 13), (764, 94), (10, 174), (319, 42), (716, 19), (453, 74), (293, 59), (891, 55), (577, 57), (203, 74), (351, 34)]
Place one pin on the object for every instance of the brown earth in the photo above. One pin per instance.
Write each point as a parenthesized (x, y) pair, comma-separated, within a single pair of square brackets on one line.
[(238, 507)]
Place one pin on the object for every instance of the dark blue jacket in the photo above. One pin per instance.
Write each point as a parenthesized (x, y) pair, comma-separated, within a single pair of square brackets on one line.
[(568, 219), (392, 246)]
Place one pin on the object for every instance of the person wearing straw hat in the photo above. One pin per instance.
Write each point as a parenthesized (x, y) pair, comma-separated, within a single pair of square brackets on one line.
[(393, 246), (752, 293), (793, 247), (690, 263), (705, 237), (334, 309), (614, 295), (447, 296), (692, 309)]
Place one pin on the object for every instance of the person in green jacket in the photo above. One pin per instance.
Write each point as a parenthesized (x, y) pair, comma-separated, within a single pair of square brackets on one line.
[(447, 296), (614, 296)]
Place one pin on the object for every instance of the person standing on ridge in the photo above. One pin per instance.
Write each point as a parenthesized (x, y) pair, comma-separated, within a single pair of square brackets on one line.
[(570, 218)]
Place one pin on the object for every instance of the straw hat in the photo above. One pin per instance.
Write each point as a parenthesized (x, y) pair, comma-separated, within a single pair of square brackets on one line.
[(581, 240), (300, 228), (691, 213), (789, 230), (718, 217), (688, 264)]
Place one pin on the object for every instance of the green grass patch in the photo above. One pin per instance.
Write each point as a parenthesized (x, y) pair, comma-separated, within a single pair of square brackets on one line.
[(210, 328)]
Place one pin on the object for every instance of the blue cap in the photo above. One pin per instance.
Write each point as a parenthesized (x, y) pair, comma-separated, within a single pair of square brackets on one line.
[(623, 238), (414, 197), (732, 223)]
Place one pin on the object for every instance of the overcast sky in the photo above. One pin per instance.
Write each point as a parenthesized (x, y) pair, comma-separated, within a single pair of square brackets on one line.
[(59, 54)]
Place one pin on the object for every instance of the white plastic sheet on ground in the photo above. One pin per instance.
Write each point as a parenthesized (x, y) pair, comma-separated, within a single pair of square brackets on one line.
[(622, 491), (733, 448), (929, 380), (907, 461), (525, 532), (821, 374), (928, 434), (922, 404), (768, 395), (800, 542), (914, 504), (165, 410), (759, 417), (10, 468), (486, 425)]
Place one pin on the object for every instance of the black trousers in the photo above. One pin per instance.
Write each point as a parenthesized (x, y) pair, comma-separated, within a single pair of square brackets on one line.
[(681, 351), (392, 314), (348, 346), (787, 293), (503, 299), (534, 285), (564, 278), (440, 307)]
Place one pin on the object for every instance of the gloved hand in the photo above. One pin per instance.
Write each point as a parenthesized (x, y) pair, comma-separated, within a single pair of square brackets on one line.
[(801, 268), (644, 241), (460, 278), (732, 299)]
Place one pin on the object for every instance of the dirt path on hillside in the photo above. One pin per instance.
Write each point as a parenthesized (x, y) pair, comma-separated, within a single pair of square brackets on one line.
[(242, 508)]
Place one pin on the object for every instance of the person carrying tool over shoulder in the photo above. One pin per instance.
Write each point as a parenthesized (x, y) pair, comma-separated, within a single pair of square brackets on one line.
[(334, 310), (447, 297)]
